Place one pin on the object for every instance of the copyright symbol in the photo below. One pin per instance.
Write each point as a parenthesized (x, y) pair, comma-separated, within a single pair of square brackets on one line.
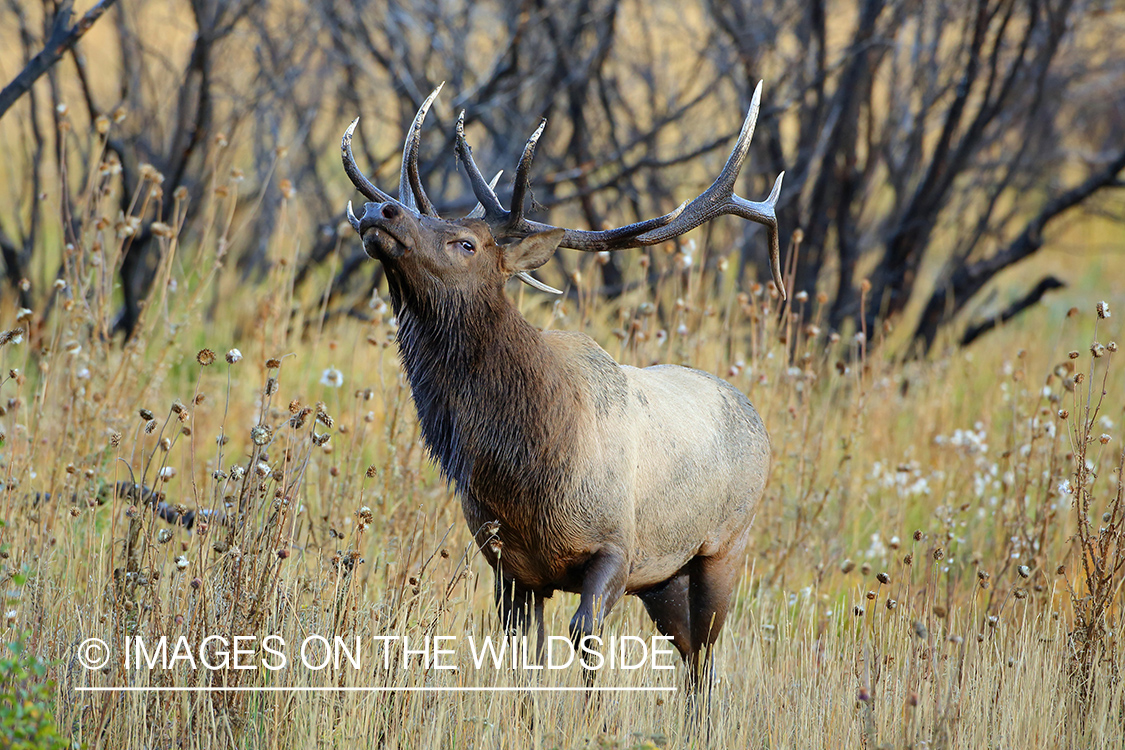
[(93, 653)]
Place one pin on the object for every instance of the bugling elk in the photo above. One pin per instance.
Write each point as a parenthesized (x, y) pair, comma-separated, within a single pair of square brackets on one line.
[(575, 473)]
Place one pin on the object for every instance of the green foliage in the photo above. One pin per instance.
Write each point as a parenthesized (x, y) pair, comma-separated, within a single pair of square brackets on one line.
[(26, 719)]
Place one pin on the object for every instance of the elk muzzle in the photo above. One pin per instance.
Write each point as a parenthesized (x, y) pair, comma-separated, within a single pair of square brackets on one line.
[(386, 229)]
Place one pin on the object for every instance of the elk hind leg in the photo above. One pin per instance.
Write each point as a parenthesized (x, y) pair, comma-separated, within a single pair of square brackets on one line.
[(712, 583), (669, 606)]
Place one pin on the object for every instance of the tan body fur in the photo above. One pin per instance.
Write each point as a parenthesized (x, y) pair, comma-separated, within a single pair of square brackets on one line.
[(670, 465)]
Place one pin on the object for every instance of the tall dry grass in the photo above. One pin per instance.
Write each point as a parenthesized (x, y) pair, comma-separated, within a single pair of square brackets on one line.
[(937, 561)]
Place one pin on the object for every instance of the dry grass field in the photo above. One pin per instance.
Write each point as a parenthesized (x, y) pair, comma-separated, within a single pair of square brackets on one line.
[(938, 561)]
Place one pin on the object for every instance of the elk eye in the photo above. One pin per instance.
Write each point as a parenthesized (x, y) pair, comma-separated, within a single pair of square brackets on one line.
[(467, 246)]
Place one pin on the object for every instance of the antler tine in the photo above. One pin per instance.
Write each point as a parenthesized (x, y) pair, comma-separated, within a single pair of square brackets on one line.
[(410, 191), (523, 176), (720, 199), (361, 183), (494, 213), (478, 210)]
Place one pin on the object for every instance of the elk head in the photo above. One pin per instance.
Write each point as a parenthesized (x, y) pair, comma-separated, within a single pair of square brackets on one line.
[(424, 253)]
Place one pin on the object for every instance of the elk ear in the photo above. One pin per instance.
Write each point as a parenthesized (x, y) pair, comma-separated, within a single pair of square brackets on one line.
[(532, 251)]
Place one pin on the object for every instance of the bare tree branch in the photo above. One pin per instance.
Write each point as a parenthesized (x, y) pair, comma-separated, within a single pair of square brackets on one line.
[(976, 330), (62, 38)]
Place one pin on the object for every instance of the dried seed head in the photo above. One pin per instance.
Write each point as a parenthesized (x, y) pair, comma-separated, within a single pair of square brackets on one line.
[(857, 610), (332, 378), (164, 536), (297, 421), (939, 553), (146, 415), (205, 357), (370, 473), (865, 569), (321, 439), (150, 427), (294, 406), (883, 578), (918, 535), (271, 386), (261, 434), (234, 356), (847, 566), (273, 363), (870, 596), (1020, 593), (939, 610), (891, 604), (364, 516), (160, 229), (920, 630), (908, 560), (1024, 571), (1103, 310), (181, 562)]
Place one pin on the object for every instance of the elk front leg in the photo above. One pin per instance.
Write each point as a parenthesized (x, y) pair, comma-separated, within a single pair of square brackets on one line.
[(602, 585), (518, 607)]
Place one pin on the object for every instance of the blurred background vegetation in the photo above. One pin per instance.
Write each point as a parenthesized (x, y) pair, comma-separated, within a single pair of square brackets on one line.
[(928, 147)]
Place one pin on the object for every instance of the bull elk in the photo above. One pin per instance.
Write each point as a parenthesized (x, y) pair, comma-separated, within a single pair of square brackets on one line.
[(576, 473)]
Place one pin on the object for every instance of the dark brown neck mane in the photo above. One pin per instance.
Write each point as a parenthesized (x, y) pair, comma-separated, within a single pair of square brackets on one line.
[(492, 399)]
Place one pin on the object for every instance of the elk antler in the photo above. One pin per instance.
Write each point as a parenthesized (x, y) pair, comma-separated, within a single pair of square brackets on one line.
[(361, 183), (717, 200), (409, 181)]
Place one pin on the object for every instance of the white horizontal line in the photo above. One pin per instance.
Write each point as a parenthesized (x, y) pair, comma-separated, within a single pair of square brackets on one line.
[(377, 689)]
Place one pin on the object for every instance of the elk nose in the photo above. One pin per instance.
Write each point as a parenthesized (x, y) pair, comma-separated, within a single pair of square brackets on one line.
[(376, 213)]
